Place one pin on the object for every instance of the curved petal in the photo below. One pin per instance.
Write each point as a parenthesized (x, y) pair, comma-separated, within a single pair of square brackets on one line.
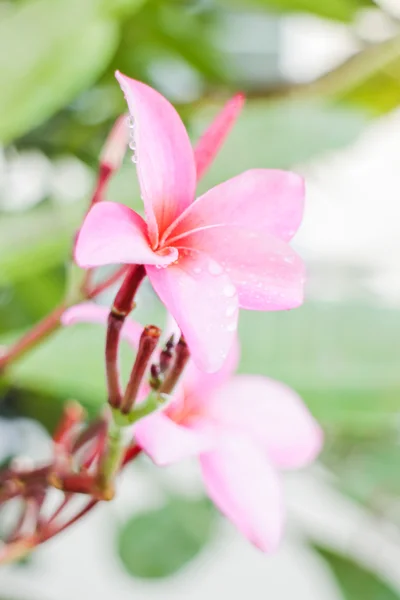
[(167, 442), (267, 273), (199, 385), (272, 414), (264, 200), (212, 139), (88, 312), (246, 489), (165, 161), (204, 303), (113, 233)]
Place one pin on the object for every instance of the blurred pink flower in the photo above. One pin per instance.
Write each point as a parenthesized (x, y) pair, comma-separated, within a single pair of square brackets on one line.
[(204, 258), (242, 428)]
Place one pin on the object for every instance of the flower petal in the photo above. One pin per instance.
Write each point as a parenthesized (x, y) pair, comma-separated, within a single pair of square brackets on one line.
[(88, 312), (113, 233), (167, 442), (204, 303), (194, 380), (212, 139), (166, 167), (272, 414), (264, 200), (267, 273), (246, 489)]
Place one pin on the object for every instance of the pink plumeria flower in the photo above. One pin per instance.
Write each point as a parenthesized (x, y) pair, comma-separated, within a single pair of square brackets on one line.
[(242, 428), (204, 258)]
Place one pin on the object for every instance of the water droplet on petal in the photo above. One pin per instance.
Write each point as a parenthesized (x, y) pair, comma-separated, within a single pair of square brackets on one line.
[(132, 142), (214, 268), (229, 290), (197, 270), (231, 327)]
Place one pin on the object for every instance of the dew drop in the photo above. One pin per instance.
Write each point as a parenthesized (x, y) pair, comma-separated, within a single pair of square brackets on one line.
[(229, 290), (231, 327), (197, 270), (132, 142), (214, 268)]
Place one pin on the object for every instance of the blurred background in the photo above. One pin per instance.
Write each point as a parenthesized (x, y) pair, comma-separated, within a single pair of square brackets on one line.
[(322, 79)]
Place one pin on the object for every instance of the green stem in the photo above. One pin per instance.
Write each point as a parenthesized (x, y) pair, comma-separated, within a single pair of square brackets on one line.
[(111, 460)]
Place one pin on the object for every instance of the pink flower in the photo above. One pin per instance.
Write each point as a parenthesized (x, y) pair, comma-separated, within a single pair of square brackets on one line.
[(242, 428), (204, 258)]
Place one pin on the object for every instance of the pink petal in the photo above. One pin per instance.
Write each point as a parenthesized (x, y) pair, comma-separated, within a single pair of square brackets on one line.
[(204, 303), (199, 384), (167, 442), (88, 312), (272, 414), (113, 233), (264, 200), (246, 489), (267, 273), (212, 139), (166, 167)]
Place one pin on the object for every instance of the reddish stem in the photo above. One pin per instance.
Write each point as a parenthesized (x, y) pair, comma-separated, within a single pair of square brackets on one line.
[(47, 535), (103, 285), (131, 453), (148, 342), (182, 356), (105, 172), (121, 308)]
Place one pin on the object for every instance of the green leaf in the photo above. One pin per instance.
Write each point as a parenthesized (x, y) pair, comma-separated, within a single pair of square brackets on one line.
[(338, 10), (122, 8), (69, 365), (342, 358), (158, 543), (368, 471), (355, 581), (50, 50), (370, 79), (279, 135), (33, 242)]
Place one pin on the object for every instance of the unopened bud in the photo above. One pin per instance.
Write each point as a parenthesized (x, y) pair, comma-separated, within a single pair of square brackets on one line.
[(114, 149), (155, 380), (147, 343)]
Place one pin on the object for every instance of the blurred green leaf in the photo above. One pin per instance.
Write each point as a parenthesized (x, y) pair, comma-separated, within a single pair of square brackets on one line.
[(164, 31), (68, 365), (338, 10), (368, 470), (158, 543), (49, 51), (370, 79), (34, 241), (122, 8), (354, 581), (342, 358), (279, 135)]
